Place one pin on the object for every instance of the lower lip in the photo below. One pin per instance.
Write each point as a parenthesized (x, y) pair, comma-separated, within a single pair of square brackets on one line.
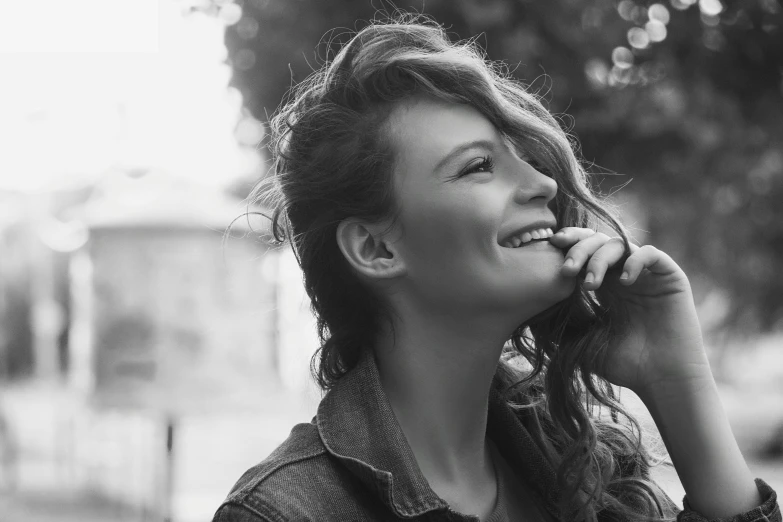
[(535, 244)]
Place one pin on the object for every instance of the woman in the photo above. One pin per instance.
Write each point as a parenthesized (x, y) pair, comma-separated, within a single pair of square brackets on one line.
[(444, 224)]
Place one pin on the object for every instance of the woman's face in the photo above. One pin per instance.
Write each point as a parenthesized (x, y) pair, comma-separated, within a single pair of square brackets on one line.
[(456, 209)]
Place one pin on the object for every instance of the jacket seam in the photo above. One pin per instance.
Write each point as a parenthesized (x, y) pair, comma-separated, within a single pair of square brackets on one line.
[(767, 518), (273, 512), (402, 510), (250, 509), (242, 494)]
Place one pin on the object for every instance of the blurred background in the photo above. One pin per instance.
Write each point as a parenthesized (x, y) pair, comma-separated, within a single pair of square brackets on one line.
[(148, 358)]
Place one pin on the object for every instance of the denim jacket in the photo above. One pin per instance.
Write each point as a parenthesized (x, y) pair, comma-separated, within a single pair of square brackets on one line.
[(352, 462)]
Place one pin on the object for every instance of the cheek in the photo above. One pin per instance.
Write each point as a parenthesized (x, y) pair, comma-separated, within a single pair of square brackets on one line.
[(446, 231)]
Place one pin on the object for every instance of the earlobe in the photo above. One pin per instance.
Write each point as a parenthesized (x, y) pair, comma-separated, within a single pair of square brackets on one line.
[(367, 251)]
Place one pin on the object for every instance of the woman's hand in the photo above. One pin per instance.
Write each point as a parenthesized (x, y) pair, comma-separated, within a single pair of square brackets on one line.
[(662, 345)]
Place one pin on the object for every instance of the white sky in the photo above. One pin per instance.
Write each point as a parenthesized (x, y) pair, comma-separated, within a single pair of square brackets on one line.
[(91, 85)]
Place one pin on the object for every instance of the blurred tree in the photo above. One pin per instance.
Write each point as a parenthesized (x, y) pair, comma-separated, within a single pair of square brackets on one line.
[(16, 328), (685, 95)]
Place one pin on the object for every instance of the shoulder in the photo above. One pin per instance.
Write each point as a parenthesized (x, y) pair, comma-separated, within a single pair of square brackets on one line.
[(258, 494), (297, 481)]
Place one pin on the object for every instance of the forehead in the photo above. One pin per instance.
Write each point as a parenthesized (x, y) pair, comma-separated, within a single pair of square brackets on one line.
[(424, 130)]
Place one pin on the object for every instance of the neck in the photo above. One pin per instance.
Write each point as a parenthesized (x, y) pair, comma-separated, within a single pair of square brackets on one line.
[(437, 377)]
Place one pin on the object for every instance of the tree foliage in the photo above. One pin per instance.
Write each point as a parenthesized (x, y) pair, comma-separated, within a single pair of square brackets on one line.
[(691, 119)]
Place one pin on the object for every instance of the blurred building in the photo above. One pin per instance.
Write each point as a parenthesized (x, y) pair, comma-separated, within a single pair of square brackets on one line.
[(166, 314), (139, 310)]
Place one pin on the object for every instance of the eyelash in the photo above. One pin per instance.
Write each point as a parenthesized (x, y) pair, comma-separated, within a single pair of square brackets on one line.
[(486, 163)]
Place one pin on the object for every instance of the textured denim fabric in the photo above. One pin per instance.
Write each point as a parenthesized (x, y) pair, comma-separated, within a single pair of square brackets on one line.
[(352, 462)]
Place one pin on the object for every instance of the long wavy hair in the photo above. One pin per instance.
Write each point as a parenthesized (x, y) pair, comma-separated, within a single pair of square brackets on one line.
[(332, 160)]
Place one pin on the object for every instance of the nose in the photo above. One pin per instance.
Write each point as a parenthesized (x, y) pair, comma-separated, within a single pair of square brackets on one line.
[(533, 184)]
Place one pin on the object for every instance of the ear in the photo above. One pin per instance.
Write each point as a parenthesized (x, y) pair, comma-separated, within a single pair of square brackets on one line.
[(368, 252)]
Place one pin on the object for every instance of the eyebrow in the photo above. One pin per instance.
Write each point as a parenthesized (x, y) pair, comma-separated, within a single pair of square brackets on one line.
[(459, 149)]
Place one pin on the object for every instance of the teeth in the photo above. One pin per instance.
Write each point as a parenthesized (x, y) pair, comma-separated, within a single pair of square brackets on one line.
[(526, 237), (540, 233)]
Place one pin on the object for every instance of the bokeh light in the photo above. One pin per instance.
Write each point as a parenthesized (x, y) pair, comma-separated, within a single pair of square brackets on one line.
[(597, 72), (658, 12), (655, 30), (230, 13), (710, 7), (247, 28), (771, 6), (681, 5), (625, 8), (726, 200), (622, 57), (620, 76), (638, 38), (245, 59), (249, 131)]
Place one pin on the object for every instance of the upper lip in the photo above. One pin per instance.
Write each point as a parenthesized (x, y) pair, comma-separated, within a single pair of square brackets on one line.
[(544, 223)]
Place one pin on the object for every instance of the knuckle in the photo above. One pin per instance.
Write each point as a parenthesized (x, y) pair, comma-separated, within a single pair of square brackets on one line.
[(609, 248)]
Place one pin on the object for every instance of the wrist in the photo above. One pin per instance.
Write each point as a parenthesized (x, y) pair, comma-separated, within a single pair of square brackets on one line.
[(674, 391), (694, 427)]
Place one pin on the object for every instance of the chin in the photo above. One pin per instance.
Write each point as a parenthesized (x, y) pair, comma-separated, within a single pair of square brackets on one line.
[(558, 291), (531, 302), (562, 291), (565, 286)]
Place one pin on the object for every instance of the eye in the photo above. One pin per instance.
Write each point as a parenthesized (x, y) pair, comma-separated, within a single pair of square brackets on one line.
[(486, 164)]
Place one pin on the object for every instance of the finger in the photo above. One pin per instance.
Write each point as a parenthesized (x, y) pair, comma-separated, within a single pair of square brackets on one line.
[(607, 254), (567, 236), (611, 253), (578, 254), (648, 257)]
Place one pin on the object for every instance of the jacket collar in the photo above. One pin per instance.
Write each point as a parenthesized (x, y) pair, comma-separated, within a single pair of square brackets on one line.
[(358, 426)]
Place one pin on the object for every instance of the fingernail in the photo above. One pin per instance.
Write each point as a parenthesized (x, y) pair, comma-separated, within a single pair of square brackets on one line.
[(569, 263), (589, 278), (624, 276)]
